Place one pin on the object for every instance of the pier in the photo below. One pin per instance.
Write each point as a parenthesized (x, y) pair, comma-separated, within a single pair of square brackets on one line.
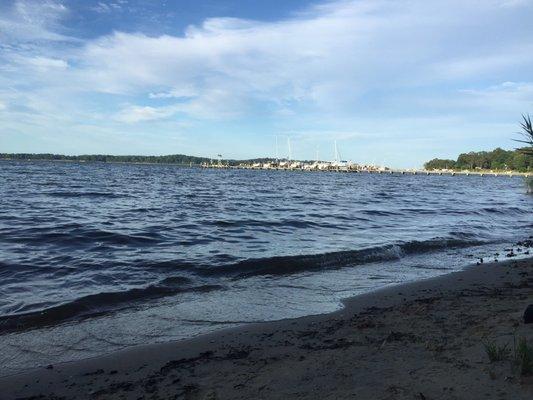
[(355, 168)]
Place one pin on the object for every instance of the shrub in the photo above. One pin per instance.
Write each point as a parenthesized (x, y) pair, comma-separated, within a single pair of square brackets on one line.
[(496, 352), (523, 356)]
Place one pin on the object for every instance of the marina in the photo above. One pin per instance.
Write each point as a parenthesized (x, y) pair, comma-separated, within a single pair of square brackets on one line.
[(339, 165), (346, 167)]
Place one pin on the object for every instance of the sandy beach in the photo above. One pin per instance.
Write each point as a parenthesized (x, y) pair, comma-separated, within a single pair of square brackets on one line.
[(423, 340), (235, 200)]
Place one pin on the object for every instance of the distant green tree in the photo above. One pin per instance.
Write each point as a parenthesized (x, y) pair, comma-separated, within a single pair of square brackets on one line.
[(169, 159), (521, 162), (498, 159), (180, 159), (438, 163)]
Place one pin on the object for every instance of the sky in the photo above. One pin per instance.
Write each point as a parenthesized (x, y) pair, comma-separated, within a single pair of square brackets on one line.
[(393, 82)]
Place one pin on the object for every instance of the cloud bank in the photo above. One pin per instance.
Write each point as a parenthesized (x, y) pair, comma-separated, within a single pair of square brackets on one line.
[(371, 67)]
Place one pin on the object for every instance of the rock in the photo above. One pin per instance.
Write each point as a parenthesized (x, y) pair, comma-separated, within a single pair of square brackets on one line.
[(210, 395), (528, 315)]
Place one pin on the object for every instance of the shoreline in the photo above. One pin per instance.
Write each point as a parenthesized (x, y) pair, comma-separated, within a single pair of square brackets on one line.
[(371, 348), (405, 171)]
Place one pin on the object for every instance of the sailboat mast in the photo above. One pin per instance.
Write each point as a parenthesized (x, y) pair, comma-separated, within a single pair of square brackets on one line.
[(277, 153)]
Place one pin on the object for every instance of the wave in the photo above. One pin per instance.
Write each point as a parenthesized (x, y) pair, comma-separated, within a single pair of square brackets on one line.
[(103, 303), (286, 265), (86, 194), (505, 210), (96, 305), (76, 235), (284, 223)]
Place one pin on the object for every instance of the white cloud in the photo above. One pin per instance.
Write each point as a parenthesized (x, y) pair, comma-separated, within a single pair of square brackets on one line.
[(108, 7), (505, 97), (46, 63), (213, 104), (329, 57), (31, 20), (515, 3), (314, 135), (133, 114), (186, 91), (485, 64)]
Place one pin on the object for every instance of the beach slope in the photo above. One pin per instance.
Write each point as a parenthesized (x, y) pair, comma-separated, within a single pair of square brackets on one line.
[(423, 340)]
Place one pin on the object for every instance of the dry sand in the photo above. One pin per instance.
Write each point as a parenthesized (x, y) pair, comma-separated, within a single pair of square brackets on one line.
[(422, 340)]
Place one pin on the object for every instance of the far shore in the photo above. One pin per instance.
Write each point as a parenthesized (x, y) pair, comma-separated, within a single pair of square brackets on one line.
[(422, 340), (476, 172), (100, 162)]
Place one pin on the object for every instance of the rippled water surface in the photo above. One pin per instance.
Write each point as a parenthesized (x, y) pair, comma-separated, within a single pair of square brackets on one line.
[(89, 249)]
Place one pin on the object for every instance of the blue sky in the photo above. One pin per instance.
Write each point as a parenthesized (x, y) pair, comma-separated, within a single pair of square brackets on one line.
[(394, 82)]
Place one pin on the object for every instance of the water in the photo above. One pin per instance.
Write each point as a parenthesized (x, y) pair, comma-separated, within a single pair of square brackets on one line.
[(97, 257)]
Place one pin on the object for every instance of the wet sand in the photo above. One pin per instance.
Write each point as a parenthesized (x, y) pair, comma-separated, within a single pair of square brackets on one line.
[(422, 340)]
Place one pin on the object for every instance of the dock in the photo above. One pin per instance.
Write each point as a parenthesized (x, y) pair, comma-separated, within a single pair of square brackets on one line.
[(354, 168)]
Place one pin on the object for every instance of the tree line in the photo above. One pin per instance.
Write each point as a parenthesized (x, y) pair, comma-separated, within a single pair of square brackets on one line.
[(168, 159), (180, 159), (498, 159)]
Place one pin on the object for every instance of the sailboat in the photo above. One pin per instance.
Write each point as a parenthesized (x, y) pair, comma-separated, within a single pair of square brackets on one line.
[(339, 164)]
